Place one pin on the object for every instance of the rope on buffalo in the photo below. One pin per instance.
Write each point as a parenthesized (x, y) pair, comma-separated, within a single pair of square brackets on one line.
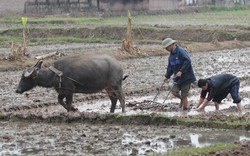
[(58, 73)]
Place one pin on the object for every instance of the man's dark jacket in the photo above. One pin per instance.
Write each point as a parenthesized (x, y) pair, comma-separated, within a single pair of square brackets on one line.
[(219, 84), (180, 61)]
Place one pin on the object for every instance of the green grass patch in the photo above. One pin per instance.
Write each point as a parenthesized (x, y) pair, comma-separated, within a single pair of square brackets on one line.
[(214, 124), (220, 15), (113, 29), (5, 40), (70, 39), (232, 8), (52, 20), (203, 150)]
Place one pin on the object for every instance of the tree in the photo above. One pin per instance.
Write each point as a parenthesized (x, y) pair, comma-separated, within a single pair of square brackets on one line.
[(19, 51), (127, 44)]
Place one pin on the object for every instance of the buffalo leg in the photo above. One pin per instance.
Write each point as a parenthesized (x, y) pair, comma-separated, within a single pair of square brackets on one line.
[(113, 98), (69, 99), (60, 101), (116, 93), (121, 98), (113, 103)]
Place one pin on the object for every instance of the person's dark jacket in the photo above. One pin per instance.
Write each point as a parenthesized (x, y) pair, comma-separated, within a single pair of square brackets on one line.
[(180, 61), (219, 84)]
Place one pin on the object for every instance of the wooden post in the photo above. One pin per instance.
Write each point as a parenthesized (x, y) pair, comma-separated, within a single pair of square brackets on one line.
[(24, 42)]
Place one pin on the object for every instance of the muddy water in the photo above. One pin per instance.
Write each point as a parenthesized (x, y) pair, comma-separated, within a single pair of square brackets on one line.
[(146, 75), (21, 138)]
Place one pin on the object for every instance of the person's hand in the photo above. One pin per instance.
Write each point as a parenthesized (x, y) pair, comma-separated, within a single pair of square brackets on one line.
[(197, 106), (179, 74), (200, 110), (194, 108), (166, 80)]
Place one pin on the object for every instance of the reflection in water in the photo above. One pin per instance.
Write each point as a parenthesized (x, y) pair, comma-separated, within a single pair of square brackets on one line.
[(244, 138), (195, 141), (135, 145), (140, 146), (201, 140)]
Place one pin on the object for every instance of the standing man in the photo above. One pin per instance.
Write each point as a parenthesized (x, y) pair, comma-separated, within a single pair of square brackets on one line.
[(179, 64), (218, 87)]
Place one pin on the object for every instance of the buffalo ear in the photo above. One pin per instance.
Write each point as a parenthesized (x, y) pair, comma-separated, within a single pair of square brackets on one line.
[(39, 63), (32, 71), (28, 72)]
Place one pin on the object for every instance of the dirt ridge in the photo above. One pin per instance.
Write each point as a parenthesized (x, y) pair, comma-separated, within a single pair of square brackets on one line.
[(140, 119)]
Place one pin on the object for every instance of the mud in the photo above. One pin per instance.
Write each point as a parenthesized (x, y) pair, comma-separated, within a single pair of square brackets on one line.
[(26, 138), (33, 137)]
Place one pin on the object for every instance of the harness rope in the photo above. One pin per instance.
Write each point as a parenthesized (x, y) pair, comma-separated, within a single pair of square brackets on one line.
[(58, 73)]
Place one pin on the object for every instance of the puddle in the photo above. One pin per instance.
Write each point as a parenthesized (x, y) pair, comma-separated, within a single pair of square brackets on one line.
[(200, 138), (103, 105)]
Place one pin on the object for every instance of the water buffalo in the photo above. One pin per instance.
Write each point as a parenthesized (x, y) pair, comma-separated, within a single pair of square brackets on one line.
[(77, 74)]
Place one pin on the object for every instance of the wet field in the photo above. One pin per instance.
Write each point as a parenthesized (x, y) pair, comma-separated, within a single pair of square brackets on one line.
[(22, 138), (145, 78)]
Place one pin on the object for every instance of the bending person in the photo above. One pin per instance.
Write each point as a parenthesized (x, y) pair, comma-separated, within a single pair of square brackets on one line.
[(218, 87)]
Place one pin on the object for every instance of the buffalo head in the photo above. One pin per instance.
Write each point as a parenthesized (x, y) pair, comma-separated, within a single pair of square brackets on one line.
[(28, 81)]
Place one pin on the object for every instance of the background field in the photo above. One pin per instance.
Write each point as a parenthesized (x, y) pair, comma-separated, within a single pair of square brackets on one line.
[(35, 124)]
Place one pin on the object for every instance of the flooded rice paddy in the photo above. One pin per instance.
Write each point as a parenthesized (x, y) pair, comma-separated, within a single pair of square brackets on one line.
[(145, 78)]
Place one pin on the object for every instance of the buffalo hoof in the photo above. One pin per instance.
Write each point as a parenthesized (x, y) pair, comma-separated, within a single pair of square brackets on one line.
[(74, 109)]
